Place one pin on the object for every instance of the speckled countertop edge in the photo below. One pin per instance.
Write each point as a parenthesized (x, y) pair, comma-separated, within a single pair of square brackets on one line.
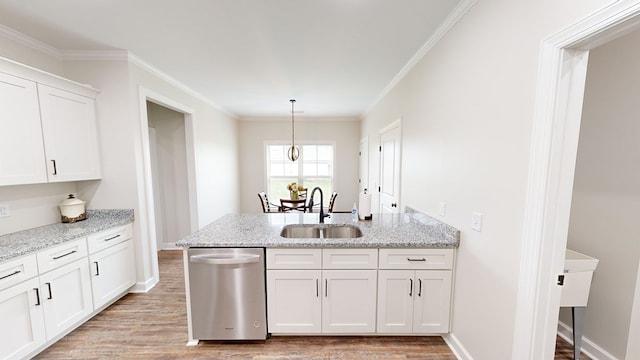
[(29, 241), (411, 229)]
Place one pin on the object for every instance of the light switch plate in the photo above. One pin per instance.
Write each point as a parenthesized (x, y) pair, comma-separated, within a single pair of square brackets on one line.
[(4, 210), (442, 208), (476, 221)]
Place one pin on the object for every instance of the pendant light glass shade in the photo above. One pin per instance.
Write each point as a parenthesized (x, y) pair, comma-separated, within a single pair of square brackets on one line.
[(293, 153)]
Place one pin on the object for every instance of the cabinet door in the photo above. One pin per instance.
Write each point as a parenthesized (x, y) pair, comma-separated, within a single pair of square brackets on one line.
[(349, 301), (22, 324), (21, 148), (395, 301), (112, 272), (70, 138), (432, 301), (293, 301), (66, 296)]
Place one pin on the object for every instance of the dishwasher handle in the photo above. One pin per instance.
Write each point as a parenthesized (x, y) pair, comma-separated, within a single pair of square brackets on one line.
[(224, 260)]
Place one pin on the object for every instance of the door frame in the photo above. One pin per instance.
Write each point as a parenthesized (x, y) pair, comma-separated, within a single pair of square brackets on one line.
[(394, 124), (146, 204), (556, 127)]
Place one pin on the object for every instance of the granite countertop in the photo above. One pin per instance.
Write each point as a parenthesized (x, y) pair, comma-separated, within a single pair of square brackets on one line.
[(411, 229), (28, 241)]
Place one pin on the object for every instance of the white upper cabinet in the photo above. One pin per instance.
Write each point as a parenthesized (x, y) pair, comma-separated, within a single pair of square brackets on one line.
[(47, 128), (22, 158), (70, 138)]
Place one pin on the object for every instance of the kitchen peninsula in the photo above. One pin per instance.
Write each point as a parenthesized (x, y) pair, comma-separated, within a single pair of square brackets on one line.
[(393, 278)]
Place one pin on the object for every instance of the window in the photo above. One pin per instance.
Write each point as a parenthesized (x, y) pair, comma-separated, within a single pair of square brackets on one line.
[(313, 168)]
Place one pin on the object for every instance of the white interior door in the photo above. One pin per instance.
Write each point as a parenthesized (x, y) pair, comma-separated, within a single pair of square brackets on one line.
[(363, 177), (390, 155)]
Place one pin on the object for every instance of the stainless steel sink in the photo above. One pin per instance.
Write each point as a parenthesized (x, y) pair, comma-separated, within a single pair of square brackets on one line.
[(321, 231), (295, 231), (344, 231)]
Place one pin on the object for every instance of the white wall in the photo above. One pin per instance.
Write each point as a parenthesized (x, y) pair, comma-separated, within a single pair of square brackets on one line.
[(606, 195), (467, 110), (120, 130), (254, 132)]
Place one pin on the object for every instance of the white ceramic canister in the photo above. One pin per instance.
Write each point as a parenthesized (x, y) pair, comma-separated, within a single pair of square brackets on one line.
[(72, 210)]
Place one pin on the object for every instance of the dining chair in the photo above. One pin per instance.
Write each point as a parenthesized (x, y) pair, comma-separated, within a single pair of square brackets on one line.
[(302, 193), (289, 205), (268, 207)]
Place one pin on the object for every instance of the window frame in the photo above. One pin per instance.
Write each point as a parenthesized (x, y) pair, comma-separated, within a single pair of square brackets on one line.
[(299, 177)]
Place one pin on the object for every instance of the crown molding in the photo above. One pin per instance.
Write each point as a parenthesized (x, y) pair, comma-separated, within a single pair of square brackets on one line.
[(440, 32), (94, 55), (29, 42), (169, 79), (105, 55)]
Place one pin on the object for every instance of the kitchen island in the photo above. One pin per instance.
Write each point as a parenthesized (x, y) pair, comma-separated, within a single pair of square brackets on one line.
[(410, 229), (392, 275)]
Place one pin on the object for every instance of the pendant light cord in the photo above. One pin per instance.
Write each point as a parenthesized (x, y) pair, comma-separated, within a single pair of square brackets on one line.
[(293, 143)]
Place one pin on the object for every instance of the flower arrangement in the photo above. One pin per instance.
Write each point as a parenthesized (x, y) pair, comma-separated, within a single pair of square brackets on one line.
[(293, 190)]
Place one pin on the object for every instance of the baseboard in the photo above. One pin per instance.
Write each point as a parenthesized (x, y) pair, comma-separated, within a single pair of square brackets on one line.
[(143, 286), (456, 347), (169, 246), (589, 348)]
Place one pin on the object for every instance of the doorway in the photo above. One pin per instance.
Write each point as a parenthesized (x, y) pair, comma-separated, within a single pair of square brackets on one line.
[(185, 202), (168, 155), (559, 97)]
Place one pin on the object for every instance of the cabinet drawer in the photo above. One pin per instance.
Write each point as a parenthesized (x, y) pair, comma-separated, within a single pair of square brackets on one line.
[(17, 270), (104, 239), (350, 258), (416, 258), (61, 255), (294, 258)]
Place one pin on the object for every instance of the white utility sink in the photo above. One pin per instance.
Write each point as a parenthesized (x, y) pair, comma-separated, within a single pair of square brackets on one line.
[(578, 271)]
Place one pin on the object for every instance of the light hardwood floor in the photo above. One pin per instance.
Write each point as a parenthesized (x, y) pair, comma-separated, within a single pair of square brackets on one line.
[(154, 326)]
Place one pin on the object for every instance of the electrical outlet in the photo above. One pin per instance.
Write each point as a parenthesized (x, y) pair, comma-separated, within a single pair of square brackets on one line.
[(442, 209), (4, 210), (476, 221)]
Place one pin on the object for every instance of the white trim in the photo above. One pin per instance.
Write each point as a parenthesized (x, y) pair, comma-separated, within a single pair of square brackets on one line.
[(94, 55), (143, 286), (457, 14), (456, 347), (146, 203), (589, 348), (29, 42), (171, 80), (556, 124)]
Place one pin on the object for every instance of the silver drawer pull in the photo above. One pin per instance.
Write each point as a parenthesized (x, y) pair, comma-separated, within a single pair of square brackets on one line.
[(421, 259), (10, 275), (113, 237), (63, 255)]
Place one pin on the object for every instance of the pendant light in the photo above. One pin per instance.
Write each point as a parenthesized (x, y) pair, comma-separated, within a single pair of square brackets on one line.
[(293, 153)]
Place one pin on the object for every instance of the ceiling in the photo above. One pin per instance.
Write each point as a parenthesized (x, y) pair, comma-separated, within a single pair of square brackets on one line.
[(335, 57)]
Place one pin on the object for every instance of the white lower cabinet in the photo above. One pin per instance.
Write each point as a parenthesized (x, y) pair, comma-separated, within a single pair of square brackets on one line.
[(414, 301), (303, 297), (65, 294), (293, 301), (112, 267), (47, 294), (349, 301), (22, 325)]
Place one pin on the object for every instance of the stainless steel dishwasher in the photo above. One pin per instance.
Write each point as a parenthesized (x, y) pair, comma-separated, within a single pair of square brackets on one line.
[(227, 287)]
